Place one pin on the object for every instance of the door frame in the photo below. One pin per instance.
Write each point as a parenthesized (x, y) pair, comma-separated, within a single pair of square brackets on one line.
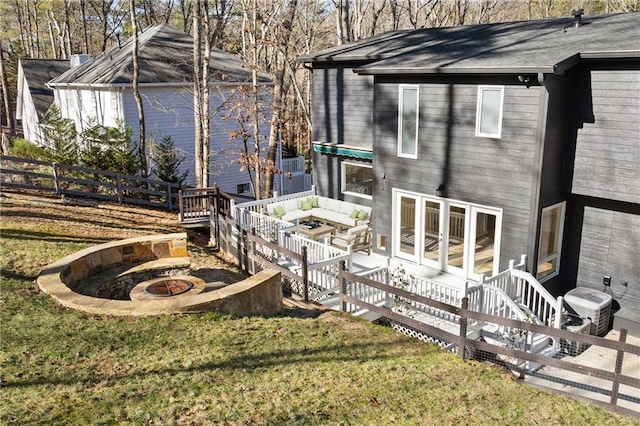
[(470, 228)]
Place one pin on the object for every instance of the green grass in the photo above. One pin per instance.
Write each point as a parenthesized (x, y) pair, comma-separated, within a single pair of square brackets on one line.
[(64, 367)]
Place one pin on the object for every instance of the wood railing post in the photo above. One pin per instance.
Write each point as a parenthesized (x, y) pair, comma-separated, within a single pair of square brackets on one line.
[(341, 286), (252, 251), (305, 275), (180, 205), (618, 368), (463, 327)]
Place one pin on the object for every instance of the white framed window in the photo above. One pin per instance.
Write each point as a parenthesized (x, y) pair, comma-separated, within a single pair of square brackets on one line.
[(489, 111), (551, 231), (408, 121), (357, 179)]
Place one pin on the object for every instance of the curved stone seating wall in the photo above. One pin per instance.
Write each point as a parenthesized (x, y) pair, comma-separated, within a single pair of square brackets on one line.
[(260, 294)]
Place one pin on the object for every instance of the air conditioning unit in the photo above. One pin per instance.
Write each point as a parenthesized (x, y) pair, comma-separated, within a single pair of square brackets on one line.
[(592, 304)]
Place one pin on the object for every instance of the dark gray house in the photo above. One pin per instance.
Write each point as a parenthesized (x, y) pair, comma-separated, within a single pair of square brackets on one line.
[(478, 144)]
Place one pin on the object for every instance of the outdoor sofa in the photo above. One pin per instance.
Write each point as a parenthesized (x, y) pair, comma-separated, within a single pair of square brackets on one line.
[(341, 214)]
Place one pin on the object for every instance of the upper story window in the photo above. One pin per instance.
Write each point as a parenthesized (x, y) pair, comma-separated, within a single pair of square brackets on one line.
[(551, 230), (408, 122), (489, 111), (357, 179)]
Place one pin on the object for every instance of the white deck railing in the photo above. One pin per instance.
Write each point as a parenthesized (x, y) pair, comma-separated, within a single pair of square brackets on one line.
[(293, 165), (522, 287), (366, 293), (260, 206)]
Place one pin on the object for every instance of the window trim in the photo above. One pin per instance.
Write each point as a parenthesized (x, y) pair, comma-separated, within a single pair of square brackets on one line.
[(401, 89), (343, 179), (480, 95), (556, 255)]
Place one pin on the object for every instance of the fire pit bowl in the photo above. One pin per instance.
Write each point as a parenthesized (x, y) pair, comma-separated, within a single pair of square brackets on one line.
[(167, 287)]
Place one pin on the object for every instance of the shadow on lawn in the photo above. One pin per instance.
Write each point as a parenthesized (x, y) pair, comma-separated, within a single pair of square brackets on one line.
[(351, 353), (48, 237)]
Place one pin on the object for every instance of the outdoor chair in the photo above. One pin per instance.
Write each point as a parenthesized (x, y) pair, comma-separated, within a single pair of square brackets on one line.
[(355, 239)]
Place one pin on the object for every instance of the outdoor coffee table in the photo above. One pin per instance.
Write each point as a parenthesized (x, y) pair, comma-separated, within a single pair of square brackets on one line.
[(317, 232)]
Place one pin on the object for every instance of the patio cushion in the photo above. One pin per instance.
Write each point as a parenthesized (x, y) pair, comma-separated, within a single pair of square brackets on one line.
[(305, 205), (279, 211), (347, 208), (354, 214), (314, 201), (363, 214)]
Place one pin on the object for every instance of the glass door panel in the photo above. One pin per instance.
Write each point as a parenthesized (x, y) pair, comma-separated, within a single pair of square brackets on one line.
[(407, 231), (455, 237), (432, 233), (485, 243)]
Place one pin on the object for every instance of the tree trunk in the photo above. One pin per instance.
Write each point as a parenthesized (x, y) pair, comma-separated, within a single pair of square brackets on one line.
[(197, 95), (6, 100), (206, 120), (256, 100), (278, 97), (142, 144)]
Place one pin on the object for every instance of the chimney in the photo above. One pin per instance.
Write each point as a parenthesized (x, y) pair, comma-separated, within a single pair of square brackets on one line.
[(577, 15), (78, 59)]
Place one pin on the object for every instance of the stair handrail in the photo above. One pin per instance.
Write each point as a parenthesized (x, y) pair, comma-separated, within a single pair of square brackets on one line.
[(547, 308)]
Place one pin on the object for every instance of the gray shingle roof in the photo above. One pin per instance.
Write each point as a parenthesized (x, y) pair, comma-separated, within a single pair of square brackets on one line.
[(548, 46), (165, 55), (38, 72)]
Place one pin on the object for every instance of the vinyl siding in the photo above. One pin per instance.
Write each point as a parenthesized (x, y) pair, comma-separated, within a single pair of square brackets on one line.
[(169, 112), (29, 115), (491, 172), (342, 109), (608, 136)]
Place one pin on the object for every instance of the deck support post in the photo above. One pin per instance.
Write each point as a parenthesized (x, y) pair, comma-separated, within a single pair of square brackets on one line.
[(305, 275), (463, 327)]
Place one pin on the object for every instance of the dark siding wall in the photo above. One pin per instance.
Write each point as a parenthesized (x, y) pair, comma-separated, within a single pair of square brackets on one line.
[(611, 246), (327, 177), (492, 172), (607, 116), (342, 109)]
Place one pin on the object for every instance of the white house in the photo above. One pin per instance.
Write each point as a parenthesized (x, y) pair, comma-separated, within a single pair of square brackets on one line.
[(99, 91), (34, 96)]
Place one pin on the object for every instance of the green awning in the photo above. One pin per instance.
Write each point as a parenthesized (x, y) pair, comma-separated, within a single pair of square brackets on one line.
[(343, 151)]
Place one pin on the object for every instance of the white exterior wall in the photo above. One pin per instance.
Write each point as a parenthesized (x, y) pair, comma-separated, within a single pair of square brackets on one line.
[(29, 116), (88, 108)]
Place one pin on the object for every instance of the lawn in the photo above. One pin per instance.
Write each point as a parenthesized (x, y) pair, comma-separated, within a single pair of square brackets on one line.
[(64, 367)]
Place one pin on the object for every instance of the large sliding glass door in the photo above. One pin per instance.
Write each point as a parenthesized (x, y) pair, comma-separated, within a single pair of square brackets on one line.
[(449, 235)]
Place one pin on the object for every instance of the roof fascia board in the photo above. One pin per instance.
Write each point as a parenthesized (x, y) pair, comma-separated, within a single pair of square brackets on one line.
[(618, 54), (125, 85), (551, 69)]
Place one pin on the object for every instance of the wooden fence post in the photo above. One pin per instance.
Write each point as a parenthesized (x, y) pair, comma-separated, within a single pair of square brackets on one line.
[(618, 368), (119, 187), (169, 200), (56, 184), (305, 275), (341, 286), (463, 327)]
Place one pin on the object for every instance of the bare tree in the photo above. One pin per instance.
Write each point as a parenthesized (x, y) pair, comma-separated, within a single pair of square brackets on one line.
[(142, 143), (197, 95), (279, 92), (6, 100)]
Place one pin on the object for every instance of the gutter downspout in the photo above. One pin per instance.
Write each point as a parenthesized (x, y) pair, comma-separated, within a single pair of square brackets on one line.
[(538, 161)]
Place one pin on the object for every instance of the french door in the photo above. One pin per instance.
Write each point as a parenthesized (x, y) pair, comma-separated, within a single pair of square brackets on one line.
[(449, 235)]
